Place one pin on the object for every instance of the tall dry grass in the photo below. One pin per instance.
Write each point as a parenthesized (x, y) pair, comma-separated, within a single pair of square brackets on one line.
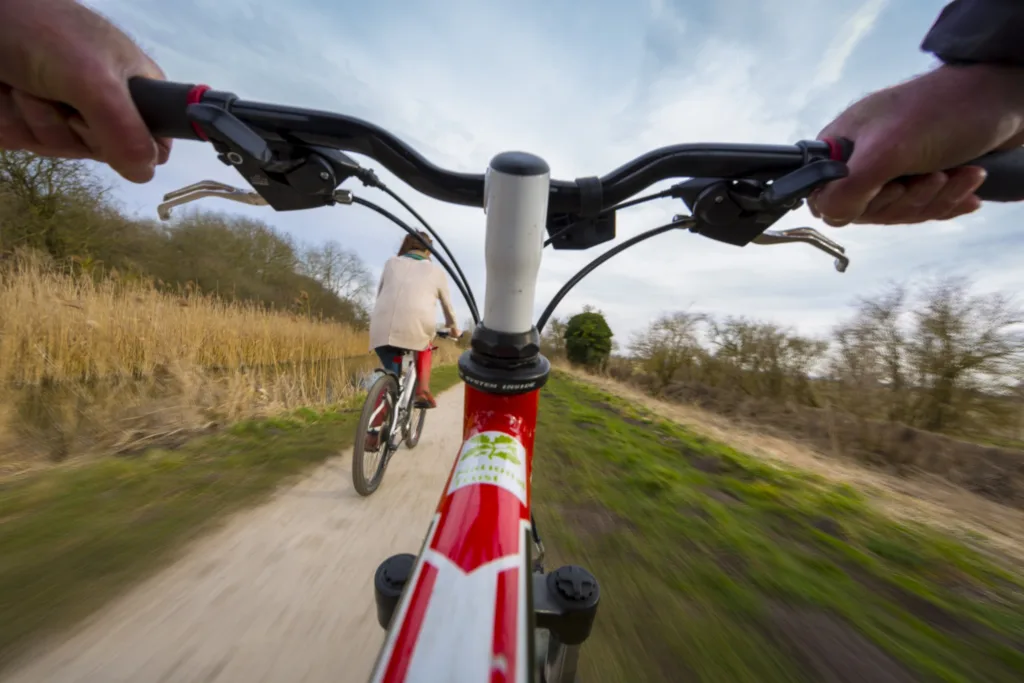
[(91, 364), (58, 326)]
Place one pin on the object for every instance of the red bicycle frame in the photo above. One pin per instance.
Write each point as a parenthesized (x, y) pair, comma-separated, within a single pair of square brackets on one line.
[(472, 581)]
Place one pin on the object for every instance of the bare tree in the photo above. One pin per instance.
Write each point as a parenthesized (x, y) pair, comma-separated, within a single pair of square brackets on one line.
[(46, 183), (765, 359), (339, 270), (869, 360), (669, 345), (552, 342), (935, 358), (270, 253), (53, 205), (963, 347)]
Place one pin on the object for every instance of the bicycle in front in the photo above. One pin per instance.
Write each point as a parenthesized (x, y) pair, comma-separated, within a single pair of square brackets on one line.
[(390, 416)]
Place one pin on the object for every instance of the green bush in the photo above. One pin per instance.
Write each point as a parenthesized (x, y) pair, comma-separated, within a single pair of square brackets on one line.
[(588, 339)]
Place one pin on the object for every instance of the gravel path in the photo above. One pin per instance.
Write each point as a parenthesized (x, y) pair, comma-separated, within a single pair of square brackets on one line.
[(282, 593)]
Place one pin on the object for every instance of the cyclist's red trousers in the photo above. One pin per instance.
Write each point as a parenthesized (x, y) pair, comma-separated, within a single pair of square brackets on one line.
[(423, 359)]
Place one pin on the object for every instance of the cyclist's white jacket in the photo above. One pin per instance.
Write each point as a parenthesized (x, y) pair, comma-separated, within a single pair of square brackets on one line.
[(405, 313)]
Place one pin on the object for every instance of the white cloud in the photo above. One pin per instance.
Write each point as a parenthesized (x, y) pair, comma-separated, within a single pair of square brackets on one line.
[(853, 31), (462, 81)]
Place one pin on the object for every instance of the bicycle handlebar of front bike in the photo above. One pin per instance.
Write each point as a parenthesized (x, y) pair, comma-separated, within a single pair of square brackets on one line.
[(164, 107)]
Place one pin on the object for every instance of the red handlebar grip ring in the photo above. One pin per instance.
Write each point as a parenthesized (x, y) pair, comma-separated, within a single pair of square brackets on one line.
[(195, 96), (839, 149)]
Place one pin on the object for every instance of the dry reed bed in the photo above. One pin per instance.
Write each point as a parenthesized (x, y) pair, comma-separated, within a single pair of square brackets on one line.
[(115, 364), (57, 326)]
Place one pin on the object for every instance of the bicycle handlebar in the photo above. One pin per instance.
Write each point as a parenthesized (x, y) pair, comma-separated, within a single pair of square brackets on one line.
[(164, 107), (446, 334), (1004, 181)]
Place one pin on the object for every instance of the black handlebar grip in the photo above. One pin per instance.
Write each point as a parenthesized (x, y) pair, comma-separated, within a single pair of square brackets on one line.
[(1005, 179), (163, 104), (1005, 169)]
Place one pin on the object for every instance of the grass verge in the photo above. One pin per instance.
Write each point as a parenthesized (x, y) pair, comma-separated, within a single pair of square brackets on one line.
[(73, 537), (716, 566)]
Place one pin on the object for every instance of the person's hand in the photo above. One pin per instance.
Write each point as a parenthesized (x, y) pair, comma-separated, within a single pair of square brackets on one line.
[(924, 127), (64, 74)]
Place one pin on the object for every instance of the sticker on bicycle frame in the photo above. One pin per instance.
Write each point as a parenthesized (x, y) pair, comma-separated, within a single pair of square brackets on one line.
[(492, 458)]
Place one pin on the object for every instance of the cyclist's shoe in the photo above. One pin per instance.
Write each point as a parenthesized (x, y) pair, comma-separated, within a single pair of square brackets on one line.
[(424, 399)]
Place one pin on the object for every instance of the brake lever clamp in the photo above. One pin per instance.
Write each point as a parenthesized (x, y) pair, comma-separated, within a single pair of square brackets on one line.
[(289, 176), (736, 211)]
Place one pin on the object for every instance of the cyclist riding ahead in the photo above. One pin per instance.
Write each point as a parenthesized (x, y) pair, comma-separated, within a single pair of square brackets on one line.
[(403, 317)]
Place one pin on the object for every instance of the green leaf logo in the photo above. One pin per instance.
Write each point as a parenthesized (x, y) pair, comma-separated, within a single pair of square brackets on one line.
[(501, 446)]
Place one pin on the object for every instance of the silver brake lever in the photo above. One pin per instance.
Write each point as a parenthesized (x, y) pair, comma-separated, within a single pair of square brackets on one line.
[(206, 188), (806, 236), (213, 188)]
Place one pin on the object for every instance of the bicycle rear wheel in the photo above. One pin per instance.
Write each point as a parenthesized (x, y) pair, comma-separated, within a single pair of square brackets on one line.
[(415, 427), (374, 431)]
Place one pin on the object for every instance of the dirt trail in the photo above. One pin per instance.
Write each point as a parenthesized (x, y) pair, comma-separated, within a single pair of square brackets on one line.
[(281, 593)]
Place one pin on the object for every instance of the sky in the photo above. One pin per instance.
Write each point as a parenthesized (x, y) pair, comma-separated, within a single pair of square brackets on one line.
[(462, 80)]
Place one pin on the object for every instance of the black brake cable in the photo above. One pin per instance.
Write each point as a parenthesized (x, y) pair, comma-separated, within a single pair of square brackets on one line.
[(589, 268), (370, 179), (470, 301), (433, 234), (623, 205)]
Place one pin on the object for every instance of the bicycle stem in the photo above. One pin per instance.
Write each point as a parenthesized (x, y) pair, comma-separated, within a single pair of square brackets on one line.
[(516, 189), (503, 372)]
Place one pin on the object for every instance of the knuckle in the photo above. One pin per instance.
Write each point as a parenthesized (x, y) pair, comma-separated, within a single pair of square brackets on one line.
[(13, 134), (51, 133), (138, 148)]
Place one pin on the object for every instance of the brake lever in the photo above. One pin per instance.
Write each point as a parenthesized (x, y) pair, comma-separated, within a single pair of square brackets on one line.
[(287, 174), (213, 188), (735, 211), (806, 236), (206, 188)]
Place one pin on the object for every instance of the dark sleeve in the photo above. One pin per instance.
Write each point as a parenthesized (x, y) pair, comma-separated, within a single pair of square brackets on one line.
[(978, 31)]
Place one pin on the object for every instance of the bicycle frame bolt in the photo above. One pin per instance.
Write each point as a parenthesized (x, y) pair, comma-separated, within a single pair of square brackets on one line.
[(396, 574), (324, 175), (719, 199), (235, 158)]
